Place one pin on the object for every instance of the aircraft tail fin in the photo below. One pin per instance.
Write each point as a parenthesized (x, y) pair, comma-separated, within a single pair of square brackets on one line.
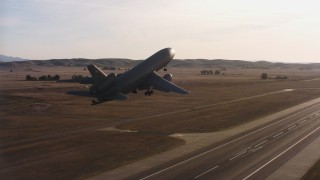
[(96, 73)]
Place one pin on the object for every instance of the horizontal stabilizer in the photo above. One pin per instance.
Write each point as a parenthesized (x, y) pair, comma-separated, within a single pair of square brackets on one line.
[(96, 73)]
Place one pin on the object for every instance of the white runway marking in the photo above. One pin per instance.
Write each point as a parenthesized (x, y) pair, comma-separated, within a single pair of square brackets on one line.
[(237, 155), (281, 154), (218, 147), (292, 127), (278, 134), (206, 172), (254, 150), (244, 151), (261, 143), (301, 122)]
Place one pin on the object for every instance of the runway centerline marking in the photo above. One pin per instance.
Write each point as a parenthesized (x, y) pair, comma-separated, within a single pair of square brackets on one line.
[(281, 154), (218, 147), (301, 122), (261, 143), (254, 150), (206, 172), (244, 151), (278, 134), (292, 127), (237, 155), (257, 148)]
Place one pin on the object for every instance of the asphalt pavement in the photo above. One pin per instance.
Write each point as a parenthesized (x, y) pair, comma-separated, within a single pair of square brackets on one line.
[(256, 150)]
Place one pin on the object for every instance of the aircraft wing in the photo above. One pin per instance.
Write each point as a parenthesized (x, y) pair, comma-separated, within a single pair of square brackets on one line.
[(155, 81)]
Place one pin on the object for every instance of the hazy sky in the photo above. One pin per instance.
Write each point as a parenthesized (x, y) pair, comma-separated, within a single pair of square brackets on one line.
[(274, 30)]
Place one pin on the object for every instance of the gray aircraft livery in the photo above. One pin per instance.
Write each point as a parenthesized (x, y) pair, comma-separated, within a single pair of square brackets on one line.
[(143, 76)]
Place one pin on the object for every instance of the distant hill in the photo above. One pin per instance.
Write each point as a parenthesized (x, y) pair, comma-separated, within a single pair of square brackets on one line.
[(77, 62), (4, 58), (178, 63)]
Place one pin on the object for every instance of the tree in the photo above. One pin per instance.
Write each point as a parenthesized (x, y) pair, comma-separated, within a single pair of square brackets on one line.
[(43, 78), (264, 76), (56, 77), (28, 78), (76, 76)]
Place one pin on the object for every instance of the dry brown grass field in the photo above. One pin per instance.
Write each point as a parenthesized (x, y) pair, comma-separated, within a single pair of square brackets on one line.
[(46, 133), (313, 173)]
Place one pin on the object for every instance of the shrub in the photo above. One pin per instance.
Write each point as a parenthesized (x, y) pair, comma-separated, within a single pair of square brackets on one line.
[(28, 77), (264, 76)]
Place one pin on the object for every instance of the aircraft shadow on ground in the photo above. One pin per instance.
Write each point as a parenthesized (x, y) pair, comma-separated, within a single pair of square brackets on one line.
[(79, 93)]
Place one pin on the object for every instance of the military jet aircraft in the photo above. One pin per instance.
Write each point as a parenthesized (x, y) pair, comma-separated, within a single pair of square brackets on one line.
[(143, 76)]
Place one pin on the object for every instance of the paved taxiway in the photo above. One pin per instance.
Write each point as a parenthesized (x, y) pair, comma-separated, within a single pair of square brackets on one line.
[(254, 154), (257, 152), (296, 167), (205, 151)]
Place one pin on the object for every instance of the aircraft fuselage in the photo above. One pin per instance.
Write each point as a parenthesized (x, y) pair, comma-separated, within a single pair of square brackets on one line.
[(141, 77), (135, 76)]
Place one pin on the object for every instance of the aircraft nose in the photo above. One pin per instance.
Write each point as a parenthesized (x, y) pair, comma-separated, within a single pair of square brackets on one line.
[(171, 52)]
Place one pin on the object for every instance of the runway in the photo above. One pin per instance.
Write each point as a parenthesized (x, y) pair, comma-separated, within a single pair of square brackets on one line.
[(254, 154)]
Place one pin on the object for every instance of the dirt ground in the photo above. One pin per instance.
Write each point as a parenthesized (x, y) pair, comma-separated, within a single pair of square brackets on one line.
[(314, 172), (46, 133)]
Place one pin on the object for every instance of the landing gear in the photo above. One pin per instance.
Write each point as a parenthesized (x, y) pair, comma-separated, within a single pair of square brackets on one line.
[(148, 93), (94, 102)]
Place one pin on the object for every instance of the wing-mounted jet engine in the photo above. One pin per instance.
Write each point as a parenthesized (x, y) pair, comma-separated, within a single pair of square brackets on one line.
[(168, 77)]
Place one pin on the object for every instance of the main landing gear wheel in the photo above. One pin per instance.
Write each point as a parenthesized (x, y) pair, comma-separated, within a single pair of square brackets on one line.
[(148, 93), (94, 102)]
